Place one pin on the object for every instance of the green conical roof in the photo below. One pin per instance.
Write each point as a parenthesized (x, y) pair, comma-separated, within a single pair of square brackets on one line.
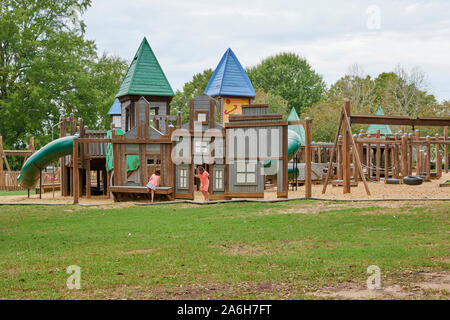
[(298, 128), (384, 128), (145, 76)]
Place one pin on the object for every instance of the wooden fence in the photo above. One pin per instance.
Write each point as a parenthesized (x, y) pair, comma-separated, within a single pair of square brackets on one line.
[(8, 180)]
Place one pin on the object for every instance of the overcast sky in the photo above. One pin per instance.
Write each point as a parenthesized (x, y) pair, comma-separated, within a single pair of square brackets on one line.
[(189, 36)]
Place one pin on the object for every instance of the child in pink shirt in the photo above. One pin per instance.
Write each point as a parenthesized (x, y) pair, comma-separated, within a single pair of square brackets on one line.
[(204, 182), (153, 183)]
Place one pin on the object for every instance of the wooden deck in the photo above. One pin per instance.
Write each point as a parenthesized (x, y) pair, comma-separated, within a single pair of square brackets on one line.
[(133, 192), (48, 187)]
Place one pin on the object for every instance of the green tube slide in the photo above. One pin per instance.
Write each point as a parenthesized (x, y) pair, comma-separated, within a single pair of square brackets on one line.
[(29, 175), (296, 138)]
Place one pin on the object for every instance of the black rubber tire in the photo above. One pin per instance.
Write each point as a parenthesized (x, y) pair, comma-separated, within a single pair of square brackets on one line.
[(392, 181), (412, 180)]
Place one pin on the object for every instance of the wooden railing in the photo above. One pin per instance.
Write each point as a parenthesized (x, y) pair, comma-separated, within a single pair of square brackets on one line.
[(8, 180)]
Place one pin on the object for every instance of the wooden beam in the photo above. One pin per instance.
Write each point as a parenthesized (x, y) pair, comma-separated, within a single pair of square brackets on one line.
[(255, 124), (346, 137), (333, 150), (400, 120), (358, 161)]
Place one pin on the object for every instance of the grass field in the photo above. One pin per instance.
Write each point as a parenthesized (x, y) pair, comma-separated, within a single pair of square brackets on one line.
[(293, 250), (14, 193)]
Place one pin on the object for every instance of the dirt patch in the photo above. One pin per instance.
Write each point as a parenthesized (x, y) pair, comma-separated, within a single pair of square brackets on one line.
[(265, 248), (317, 207), (139, 251), (193, 291), (428, 285)]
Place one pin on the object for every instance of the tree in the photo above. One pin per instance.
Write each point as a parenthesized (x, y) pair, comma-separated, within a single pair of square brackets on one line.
[(48, 69), (325, 120), (290, 77), (191, 89), (358, 88), (276, 103), (402, 92)]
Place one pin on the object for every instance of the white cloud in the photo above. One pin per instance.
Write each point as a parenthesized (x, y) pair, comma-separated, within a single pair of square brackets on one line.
[(190, 36)]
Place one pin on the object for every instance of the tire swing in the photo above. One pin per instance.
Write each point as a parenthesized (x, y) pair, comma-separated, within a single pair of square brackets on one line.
[(412, 180)]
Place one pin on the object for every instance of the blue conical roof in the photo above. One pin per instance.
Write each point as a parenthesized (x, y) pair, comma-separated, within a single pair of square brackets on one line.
[(116, 108), (230, 79)]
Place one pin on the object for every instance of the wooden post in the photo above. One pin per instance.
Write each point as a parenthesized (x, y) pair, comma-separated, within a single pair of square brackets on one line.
[(105, 179), (308, 182), (2, 177), (410, 154), (116, 160), (428, 160), (354, 151), (73, 125), (438, 158), (62, 164), (446, 150), (335, 149), (346, 148), (368, 160), (358, 160), (76, 172), (339, 159), (394, 161), (378, 157), (179, 119), (386, 161), (88, 173), (404, 157), (418, 162), (40, 184)]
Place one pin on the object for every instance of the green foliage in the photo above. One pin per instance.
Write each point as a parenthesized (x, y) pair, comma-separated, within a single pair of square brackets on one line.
[(290, 77), (399, 93), (325, 118), (190, 90), (50, 70), (276, 103), (359, 90), (402, 93)]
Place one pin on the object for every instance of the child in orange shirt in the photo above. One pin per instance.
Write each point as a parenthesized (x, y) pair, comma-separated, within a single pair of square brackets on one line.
[(204, 182), (153, 183)]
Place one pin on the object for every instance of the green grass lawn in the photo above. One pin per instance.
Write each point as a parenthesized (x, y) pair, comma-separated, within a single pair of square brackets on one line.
[(236, 250), (14, 193)]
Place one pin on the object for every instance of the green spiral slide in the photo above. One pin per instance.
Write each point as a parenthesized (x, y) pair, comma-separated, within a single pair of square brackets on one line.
[(29, 175)]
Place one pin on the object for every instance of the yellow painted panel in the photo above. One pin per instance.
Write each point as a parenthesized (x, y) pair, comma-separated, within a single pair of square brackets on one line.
[(233, 106)]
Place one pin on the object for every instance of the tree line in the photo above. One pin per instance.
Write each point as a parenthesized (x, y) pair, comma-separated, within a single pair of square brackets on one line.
[(49, 69)]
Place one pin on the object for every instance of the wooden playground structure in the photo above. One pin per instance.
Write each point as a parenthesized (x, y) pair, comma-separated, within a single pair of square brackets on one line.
[(366, 157), (145, 138)]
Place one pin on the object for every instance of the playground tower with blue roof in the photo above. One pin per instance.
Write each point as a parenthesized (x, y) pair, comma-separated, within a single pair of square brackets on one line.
[(230, 85)]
